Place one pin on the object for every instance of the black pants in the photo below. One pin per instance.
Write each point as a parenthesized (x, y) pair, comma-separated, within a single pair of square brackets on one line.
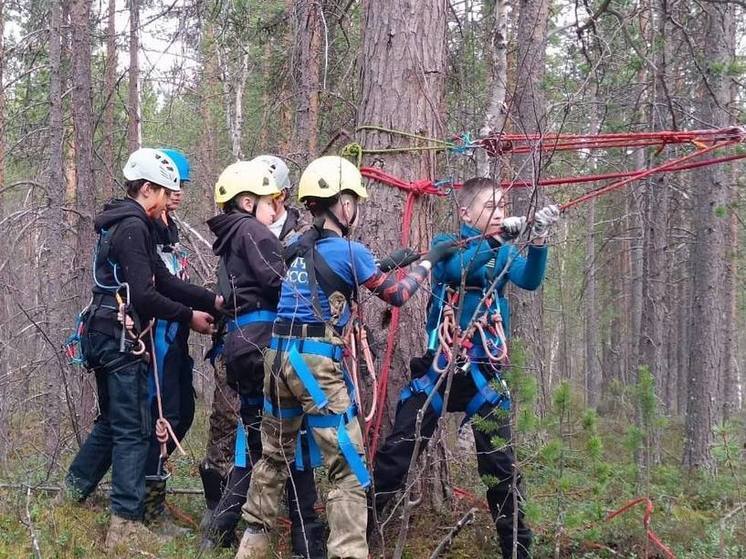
[(393, 458), (177, 394), (120, 435), (301, 488)]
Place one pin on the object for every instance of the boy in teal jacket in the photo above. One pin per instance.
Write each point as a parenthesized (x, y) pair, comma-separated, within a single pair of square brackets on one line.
[(486, 260)]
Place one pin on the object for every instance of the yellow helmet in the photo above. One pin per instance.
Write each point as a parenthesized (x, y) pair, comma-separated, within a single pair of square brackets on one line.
[(244, 176), (327, 176)]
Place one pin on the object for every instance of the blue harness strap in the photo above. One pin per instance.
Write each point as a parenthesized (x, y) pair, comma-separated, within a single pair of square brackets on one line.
[(161, 344), (281, 413), (242, 445), (295, 348), (424, 385), (307, 441), (485, 394), (242, 438), (215, 351), (350, 453), (306, 376), (346, 446), (312, 347), (251, 317)]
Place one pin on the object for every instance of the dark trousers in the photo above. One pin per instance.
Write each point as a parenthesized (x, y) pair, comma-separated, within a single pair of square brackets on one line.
[(244, 374), (177, 393), (496, 464), (121, 432)]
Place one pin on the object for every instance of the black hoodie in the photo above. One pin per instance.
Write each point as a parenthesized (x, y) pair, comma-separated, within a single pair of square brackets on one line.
[(154, 292), (252, 256)]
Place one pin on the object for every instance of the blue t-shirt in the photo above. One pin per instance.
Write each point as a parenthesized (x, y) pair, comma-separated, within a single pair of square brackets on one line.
[(350, 260)]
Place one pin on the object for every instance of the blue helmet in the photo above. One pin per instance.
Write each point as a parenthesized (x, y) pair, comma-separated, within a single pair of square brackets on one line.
[(182, 163)]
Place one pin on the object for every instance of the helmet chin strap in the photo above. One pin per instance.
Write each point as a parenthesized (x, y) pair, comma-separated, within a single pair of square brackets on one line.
[(344, 228)]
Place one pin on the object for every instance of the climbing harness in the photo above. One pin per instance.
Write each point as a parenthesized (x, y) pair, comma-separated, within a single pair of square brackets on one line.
[(115, 298), (241, 447), (293, 350)]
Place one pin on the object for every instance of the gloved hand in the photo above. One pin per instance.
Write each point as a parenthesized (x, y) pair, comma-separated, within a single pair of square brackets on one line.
[(512, 226), (544, 219), (441, 251), (398, 259)]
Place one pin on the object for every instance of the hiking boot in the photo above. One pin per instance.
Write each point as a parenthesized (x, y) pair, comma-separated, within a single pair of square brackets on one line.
[(124, 534), (254, 544), (308, 541), (155, 515)]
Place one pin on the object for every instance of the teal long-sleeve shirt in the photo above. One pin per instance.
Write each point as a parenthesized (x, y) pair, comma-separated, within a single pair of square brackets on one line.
[(482, 260)]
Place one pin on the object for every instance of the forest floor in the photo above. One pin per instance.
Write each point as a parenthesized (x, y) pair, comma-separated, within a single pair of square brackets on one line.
[(570, 494)]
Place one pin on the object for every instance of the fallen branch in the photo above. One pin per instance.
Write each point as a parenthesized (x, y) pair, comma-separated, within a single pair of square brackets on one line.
[(30, 525), (105, 487), (446, 542)]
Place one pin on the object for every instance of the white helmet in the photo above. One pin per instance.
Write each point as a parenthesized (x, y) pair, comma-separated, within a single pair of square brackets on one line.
[(153, 166), (278, 168)]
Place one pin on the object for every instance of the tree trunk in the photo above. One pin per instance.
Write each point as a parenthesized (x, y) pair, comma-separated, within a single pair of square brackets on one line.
[(308, 39), (110, 79), (207, 165), (234, 85), (709, 303), (402, 88), (82, 113), (134, 127), (2, 106), (528, 108), (496, 114), (730, 385), (52, 251)]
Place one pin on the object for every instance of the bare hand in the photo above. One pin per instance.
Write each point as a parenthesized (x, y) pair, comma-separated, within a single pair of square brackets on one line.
[(202, 322)]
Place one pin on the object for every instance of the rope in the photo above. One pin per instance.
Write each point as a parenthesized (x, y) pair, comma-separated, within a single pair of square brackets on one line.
[(356, 337), (163, 429), (652, 536), (705, 141), (413, 190)]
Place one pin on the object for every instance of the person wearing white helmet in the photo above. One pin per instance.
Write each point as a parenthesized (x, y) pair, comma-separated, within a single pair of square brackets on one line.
[(132, 287), (288, 224)]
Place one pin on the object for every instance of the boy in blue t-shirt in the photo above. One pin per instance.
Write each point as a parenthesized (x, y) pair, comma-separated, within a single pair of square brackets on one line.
[(486, 260), (305, 385)]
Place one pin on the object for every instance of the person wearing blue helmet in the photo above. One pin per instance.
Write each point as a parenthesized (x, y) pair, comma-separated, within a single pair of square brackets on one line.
[(172, 360)]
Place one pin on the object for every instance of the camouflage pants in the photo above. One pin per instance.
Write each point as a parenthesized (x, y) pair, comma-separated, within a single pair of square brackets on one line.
[(346, 505), (223, 419)]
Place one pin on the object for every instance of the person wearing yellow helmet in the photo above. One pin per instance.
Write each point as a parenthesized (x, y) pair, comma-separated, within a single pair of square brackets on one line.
[(306, 386), (250, 271)]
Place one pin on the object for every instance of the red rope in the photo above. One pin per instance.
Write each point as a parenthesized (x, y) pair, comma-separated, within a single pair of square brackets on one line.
[(413, 189), (499, 144), (652, 536), (705, 140)]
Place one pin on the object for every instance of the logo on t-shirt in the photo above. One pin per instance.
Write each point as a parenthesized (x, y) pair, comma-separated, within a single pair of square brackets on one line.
[(297, 274)]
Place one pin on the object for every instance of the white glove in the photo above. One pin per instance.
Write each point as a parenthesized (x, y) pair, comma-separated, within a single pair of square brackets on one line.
[(512, 226), (543, 220)]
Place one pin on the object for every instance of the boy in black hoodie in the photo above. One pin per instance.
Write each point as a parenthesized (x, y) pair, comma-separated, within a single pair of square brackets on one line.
[(249, 278), (129, 272)]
